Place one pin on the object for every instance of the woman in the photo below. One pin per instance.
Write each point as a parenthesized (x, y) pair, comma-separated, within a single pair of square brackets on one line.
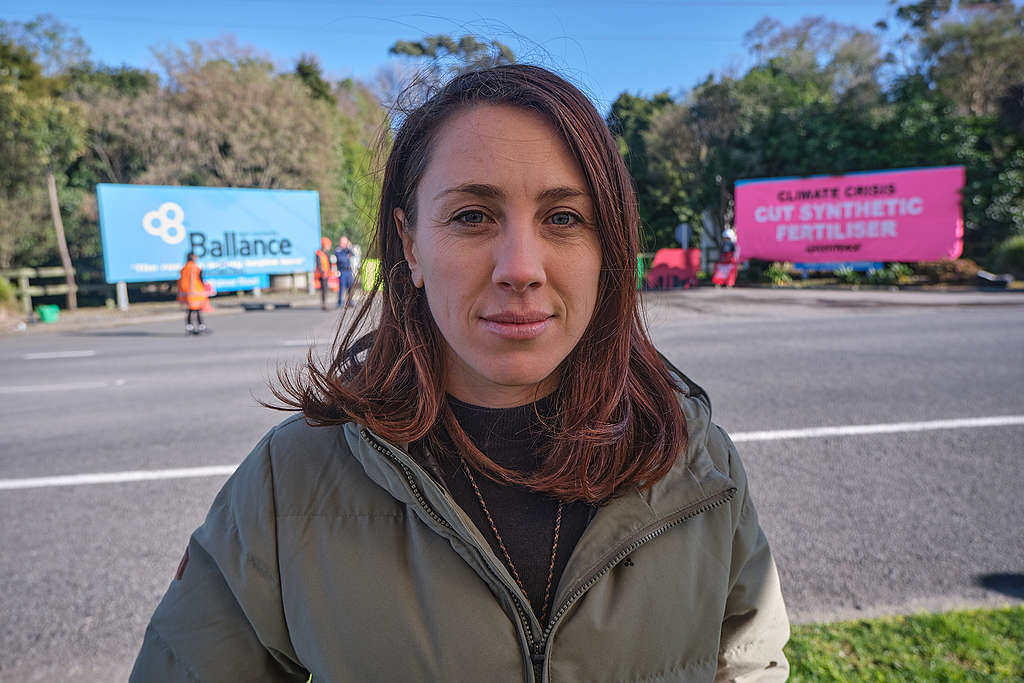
[(503, 481)]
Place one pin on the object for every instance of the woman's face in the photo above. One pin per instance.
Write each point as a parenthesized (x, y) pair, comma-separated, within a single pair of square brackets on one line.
[(505, 246)]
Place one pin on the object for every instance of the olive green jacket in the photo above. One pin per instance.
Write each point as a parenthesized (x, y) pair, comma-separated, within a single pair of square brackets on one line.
[(330, 552)]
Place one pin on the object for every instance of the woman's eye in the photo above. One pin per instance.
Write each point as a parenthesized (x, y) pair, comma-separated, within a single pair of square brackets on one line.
[(471, 217), (564, 218)]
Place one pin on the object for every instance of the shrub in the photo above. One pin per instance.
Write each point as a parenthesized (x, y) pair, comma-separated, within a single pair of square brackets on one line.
[(901, 272), (8, 300), (848, 276), (892, 274), (961, 271), (1009, 256), (776, 275)]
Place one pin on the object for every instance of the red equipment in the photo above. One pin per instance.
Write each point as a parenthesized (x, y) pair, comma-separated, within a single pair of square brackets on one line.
[(726, 270)]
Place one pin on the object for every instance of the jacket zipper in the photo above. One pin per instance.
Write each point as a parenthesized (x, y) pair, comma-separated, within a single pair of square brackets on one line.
[(698, 508), (410, 478), (538, 648), (532, 645)]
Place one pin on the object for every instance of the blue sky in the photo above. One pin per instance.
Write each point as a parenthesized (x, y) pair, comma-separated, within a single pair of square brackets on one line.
[(605, 46)]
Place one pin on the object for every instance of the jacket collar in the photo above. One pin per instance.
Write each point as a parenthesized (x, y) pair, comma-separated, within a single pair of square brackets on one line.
[(692, 482)]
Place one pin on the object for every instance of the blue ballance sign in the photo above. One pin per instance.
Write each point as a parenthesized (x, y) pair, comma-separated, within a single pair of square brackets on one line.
[(148, 230)]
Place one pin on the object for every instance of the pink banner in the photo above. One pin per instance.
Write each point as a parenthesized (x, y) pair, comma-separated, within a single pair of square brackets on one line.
[(907, 215)]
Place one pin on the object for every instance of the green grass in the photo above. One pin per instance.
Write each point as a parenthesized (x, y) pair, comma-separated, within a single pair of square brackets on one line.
[(975, 645)]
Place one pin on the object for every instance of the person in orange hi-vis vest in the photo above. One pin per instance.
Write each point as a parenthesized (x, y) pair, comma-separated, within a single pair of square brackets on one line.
[(192, 294), (323, 269)]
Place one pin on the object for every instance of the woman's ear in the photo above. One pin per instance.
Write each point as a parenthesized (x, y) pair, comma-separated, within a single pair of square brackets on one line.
[(408, 247)]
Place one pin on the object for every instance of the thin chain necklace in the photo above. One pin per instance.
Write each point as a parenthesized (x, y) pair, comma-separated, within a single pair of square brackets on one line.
[(504, 550)]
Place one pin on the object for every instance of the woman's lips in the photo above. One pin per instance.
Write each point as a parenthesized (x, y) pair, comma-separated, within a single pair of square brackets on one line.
[(517, 325)]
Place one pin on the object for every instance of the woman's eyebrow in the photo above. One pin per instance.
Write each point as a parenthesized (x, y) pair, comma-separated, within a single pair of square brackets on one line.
[(479, 189), (552, 194), (555, 194)]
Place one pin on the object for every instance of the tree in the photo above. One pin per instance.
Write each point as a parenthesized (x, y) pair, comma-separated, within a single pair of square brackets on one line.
[(362, 136), (812, 104), (310, 73), (54, 45), (228, 120), (921, 15), (45, 136), (444, 57), (87, 80), (19, 69), (629, 120), (970, 57), (447, 54), (977, 61), (40, 138)]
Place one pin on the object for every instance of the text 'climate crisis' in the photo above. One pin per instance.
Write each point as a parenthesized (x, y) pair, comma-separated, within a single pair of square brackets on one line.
[(832, 192)]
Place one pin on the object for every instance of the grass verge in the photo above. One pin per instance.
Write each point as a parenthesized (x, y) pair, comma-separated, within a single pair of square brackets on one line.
[(973, 645)]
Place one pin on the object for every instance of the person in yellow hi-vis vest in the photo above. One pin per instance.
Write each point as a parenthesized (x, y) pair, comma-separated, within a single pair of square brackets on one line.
[(192, 294)]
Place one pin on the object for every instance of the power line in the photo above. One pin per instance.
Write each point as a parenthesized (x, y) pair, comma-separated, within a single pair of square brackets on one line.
[(327, 28)]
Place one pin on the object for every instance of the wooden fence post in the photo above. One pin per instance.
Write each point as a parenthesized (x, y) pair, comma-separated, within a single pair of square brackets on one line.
[(62, 243), (26, 299)]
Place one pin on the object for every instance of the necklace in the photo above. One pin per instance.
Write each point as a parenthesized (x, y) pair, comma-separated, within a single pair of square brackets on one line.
[(504, 550)]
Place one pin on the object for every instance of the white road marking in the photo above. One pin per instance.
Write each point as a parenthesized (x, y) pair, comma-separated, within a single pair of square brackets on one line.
[(225, 470), (49, 355), (892, 428), (300, 342), (116, 477), (34, 388)]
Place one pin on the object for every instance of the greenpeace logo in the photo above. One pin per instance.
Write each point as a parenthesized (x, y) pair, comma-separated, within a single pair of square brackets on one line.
[(167, 223)]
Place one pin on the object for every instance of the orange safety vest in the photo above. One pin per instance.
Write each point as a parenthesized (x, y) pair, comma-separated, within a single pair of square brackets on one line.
[(323, 264), (191, 290)]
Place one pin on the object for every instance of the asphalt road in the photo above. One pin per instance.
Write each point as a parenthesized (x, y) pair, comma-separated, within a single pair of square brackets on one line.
[(860, 524)]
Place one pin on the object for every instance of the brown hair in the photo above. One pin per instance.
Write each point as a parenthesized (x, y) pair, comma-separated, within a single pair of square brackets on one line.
[(617, 423)]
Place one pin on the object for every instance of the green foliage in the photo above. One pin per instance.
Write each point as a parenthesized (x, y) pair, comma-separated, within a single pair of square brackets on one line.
[(8, 297), (977, 645), (311, 74), (1009, 256), (464, 54), (921, 15), (54, 45), (87, 80), (776, 275), (903, 273), (973, 59), (440, 57), (848, 276), (19, 69), (360, 134), (40, 134), (630, 120), (892, 274)]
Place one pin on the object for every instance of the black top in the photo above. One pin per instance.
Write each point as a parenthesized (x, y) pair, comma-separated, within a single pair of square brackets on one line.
[(514, 439)]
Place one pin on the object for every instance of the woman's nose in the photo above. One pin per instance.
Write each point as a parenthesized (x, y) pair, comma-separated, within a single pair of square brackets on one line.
[(519, 257)]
